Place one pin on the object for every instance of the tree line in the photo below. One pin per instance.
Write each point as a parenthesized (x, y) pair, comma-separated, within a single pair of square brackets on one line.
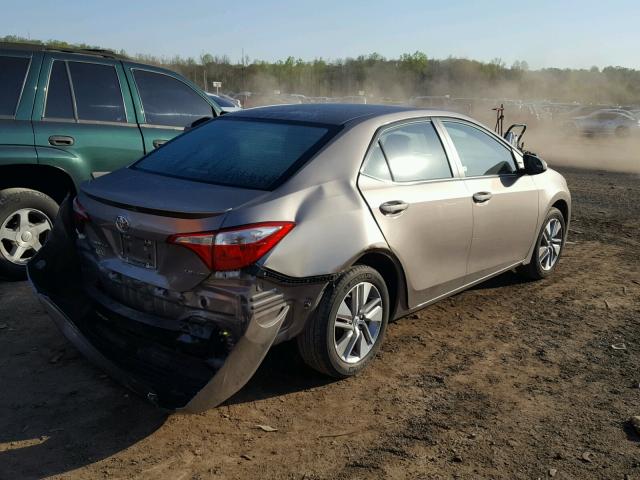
[(411, 74)]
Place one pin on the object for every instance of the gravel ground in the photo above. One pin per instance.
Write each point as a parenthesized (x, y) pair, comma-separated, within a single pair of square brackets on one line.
[(507, 380)]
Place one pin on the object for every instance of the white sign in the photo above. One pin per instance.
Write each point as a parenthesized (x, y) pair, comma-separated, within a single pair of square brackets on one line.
[(216, 84)]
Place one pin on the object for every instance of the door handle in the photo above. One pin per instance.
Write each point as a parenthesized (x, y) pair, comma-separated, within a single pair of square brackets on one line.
[(61, 140), (393, 207), (481, 197), (158, 142)]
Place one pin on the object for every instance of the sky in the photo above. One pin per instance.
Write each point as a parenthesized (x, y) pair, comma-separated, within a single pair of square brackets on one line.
[(570, 33)]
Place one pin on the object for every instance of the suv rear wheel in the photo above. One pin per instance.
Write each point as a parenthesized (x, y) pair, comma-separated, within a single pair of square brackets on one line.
[(26, 219)]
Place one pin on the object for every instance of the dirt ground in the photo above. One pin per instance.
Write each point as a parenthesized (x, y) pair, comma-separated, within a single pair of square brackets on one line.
[(508, 380)]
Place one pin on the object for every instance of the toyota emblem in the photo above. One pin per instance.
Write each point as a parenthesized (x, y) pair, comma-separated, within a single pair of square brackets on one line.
[(122, 224)]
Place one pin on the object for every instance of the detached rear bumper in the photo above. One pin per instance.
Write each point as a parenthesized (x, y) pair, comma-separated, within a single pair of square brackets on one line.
[(152, 361)]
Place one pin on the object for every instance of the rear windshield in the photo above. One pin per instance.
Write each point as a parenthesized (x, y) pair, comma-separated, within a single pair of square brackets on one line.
[(246, 153)]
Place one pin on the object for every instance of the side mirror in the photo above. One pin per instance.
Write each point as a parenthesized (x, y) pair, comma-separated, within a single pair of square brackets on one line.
[(533, 165)]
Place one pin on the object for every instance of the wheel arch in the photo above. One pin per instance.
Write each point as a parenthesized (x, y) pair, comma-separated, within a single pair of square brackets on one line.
[(52, 181), (388, 265), (563, 206)]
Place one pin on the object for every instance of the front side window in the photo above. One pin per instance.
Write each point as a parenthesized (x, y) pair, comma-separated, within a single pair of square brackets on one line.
[(168, 101), (97, 92), (414, 153), (59, 99), (479, 153), (240, 153), (13, 71)]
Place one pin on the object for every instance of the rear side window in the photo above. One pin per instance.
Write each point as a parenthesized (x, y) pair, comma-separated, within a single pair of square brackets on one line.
[(414, 153), (59, 99), (97, 92), (479, 153), (168, 101), (240, 153), (13, 71), (375, 164)]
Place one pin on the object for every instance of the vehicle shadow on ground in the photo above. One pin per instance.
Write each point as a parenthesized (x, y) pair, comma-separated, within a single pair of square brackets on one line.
[(40, 437), (70, 415), (282, 372), (507, 279)]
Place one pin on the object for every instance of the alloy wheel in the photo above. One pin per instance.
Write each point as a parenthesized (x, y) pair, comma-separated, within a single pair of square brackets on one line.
[(22, 234), (358, 322), (550, 244)]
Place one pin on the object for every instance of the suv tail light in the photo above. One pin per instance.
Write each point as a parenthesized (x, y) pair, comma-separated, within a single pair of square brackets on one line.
[(234, 248)]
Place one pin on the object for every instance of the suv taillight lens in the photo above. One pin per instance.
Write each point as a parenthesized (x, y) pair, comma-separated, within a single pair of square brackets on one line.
[(234, 248)]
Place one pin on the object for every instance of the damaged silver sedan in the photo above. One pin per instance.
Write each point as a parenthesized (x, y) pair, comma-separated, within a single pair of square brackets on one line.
[(318, 223)]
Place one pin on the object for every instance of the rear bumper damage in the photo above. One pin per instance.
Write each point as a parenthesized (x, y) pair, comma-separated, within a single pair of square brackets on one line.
[(149, 354)]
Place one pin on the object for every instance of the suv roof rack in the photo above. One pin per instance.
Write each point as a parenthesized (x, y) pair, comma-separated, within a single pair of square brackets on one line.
[(39, 47)]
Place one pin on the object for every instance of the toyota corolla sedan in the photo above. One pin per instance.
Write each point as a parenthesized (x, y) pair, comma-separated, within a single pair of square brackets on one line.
[(319, 223)]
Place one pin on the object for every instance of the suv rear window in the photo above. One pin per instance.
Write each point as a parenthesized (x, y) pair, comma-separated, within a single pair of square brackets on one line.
[(12, 74), (245, 153)]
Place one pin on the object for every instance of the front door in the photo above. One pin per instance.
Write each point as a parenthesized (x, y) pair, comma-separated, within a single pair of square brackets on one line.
[(84, 120), (165, 103), (505, 202), (421, 206)]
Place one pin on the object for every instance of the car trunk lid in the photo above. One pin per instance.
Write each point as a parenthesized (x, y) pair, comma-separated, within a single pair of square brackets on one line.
[(133, 213)]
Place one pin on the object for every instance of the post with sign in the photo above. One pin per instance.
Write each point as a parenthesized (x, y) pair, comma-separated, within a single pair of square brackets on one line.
[(217, 86)]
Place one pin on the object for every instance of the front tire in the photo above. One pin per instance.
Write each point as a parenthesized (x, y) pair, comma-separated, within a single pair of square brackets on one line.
[(349, 325), (26, 218), (549, 245)]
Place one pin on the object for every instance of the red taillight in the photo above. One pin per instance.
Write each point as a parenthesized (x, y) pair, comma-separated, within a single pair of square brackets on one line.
[(234, 248), (80, 215)]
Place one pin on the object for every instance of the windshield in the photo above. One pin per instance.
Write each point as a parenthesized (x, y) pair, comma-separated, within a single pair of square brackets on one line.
[(245, 153)]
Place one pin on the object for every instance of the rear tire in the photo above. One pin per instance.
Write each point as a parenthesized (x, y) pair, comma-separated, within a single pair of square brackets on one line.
[(337, 342), (26, 218), (548, 248)]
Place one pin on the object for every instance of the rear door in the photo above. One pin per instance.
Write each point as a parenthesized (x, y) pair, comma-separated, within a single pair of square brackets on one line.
[(84, 120), (422, 207), (165, 104), (505, 203)]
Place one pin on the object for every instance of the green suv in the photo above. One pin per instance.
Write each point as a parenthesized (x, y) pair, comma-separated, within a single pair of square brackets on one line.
[(67, 116)]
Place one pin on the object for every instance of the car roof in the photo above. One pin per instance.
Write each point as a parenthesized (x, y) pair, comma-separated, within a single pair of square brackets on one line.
[(330, 114)]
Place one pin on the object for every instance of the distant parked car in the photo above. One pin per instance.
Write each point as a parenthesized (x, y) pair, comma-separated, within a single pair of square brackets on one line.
[(605, 122), (226, 104), (67, 116)]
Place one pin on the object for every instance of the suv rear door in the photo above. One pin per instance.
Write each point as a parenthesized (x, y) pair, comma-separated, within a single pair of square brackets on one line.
[(84, 119), (165, 103)]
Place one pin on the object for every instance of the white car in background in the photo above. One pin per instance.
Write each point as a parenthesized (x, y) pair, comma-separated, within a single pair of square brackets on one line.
[(226, 103)]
